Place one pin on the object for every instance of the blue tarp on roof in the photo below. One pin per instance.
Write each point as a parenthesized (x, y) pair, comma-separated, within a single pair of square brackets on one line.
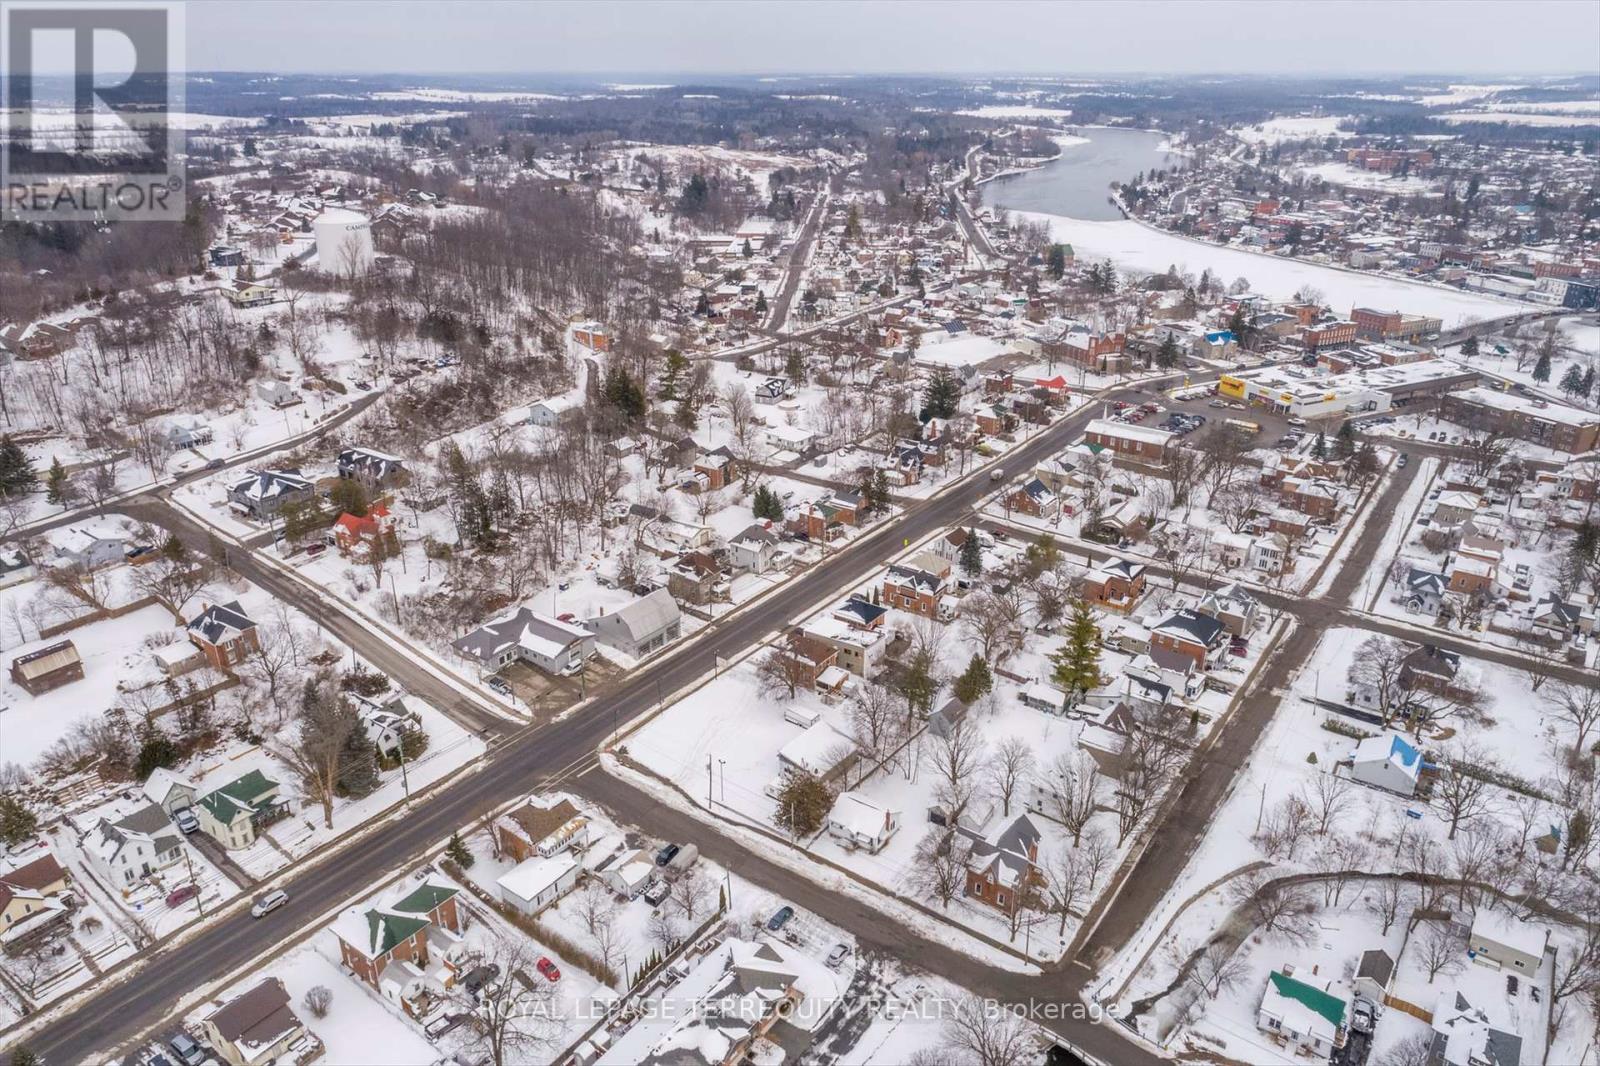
[(1407, 755)]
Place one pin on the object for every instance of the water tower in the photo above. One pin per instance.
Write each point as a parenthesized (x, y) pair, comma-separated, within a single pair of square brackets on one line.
[(344, 242)]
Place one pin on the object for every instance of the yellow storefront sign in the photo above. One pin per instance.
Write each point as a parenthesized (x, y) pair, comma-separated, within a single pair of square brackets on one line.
[(1231, 386)]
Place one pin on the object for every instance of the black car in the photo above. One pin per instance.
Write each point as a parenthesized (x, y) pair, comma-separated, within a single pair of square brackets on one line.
[(480, 976), (667, 854)]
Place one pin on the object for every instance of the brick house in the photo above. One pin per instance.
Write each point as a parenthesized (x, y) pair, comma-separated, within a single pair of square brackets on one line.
[(1115, 584), (533, 830), (1328, 335), (697, 577), (1309, 497), (1187, 638), (715, 469), (1003, 867), (357, 533), (224, 634), (917, 585), (1034, 498), (371, 941)]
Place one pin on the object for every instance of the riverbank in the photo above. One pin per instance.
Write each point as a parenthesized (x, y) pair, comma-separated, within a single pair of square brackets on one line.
[(1063, 142), (1134, 245)]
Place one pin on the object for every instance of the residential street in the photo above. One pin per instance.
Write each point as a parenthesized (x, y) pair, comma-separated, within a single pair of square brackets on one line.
[(518, 762)]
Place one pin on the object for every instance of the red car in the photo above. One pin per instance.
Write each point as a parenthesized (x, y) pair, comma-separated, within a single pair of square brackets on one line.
[(182, 894), (547, 969)]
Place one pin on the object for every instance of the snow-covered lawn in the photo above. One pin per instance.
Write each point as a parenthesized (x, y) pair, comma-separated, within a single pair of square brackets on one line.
[(1356, 178), (1277, 130)]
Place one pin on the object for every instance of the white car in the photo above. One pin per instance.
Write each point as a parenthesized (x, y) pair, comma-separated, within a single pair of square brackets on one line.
[(269, 903), (1295, 420)]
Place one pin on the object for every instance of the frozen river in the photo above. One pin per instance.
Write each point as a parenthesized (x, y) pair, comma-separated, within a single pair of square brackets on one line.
[(1071, 194)]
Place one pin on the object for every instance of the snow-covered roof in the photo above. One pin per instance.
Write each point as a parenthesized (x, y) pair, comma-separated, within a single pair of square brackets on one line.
[(1390, 748), (817, 750), (532, 878), (858, 815), (1503, 929), (1130, 431)]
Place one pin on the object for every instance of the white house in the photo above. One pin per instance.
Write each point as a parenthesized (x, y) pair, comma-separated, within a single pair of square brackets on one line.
[(643, 626), (1303, 1014), (139, 844), (169, 791), (627, 872), (548, 412), (533, 885), (15, 567), (554, 646), (89, 548), (755, 549), (1388, 762), (858, 823), (1509, 943)]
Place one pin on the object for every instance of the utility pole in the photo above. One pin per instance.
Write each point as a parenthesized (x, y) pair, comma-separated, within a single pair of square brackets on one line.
[(708, 780)]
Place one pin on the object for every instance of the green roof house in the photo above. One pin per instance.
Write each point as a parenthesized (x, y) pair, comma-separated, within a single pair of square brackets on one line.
[(1302, 1014), (395, 934), (232, 814)]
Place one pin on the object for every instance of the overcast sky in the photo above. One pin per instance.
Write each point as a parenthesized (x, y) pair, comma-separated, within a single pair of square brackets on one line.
[(822, 36)]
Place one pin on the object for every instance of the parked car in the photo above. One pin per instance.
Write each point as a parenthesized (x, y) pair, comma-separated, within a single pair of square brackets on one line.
[(1524, 577), (547, 969), (498, 684), (184, 1046), (186, 820), (1404, 461), (182, 894), (1362, 1015), (214, 464), (1295, 420), (480, 977), (666, 854), (837, 956), (780, 918), (269, 903)]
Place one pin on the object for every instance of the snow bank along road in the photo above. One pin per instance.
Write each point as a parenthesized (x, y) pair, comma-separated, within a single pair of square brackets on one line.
[(521, 758)]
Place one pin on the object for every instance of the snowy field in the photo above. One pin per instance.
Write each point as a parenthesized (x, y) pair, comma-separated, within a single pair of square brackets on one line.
[(1136, 247), (1356, 178), (1017, 111), (1278, 130)]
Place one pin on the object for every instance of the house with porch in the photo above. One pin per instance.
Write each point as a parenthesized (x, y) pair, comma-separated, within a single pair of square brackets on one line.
[(233, 814), (224, 634), (387, 946)]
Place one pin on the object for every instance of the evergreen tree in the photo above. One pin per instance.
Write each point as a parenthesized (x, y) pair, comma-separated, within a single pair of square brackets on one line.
[(17, 822), (761, 303), (1077, 664), (917, 684), (16, 472), (1167, 356), (803, 805), (458, 852), (158, 749), (1344, 442), (1541, 369), (1588, 382), (880, 488), (971, 554), (942, 398), (23, 1055), (975, 681), (1319, 447), (1469, 347), (58, 485), (795, 367), (1056, 261), (1572, 381), (672, 375), (358, 764), (746, 250), (623, 393)]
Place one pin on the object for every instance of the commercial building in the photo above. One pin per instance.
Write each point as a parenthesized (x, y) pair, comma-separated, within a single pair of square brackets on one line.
[(1543, 422), (1310, 393)]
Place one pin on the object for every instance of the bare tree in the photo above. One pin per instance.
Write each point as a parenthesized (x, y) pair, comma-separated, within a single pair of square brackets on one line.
[(1217, 967), (1378, 665), (1328, 797), (514, 1018), (940, 869), (955, 759), (988, 620), (877, 722), (1413, 1050), (1007, 768), (1282, 909), (594, 905), (1285, 826), (1073, 782), (318, 999), (980, 1030), (692, 892), (1463, 790), (783, 671), (324, 721), (1578, 706), (1439, 950)]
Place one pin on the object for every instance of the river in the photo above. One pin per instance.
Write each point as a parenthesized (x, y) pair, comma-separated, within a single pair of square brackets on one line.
[(1071, 195), (1078, 184)]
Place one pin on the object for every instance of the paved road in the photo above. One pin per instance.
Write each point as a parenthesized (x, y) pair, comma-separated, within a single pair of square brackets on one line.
[(517, 763), (797, 265)]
